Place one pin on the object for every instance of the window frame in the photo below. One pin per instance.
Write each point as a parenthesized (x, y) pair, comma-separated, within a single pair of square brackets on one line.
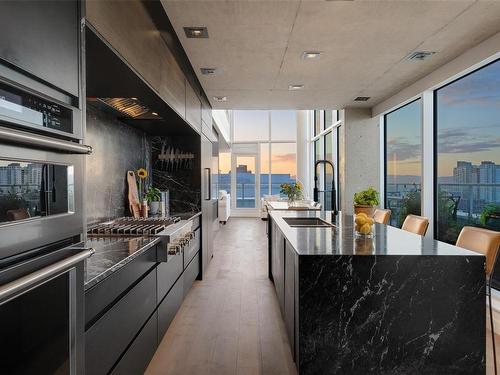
[(435, 209), (384, 167)]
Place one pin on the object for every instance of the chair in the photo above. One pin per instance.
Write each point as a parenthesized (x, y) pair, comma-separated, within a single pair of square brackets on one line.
[(486, 242), (382, 216), (416, 224)]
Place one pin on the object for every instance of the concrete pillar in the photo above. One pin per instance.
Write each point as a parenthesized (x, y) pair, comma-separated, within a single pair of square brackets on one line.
[(359, 151), (303, 157)]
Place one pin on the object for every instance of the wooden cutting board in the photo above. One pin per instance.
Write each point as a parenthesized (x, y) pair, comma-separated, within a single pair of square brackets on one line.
[(133, 195)]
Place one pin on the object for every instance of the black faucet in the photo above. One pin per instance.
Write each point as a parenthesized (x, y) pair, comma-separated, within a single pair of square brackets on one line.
[(316, 191)]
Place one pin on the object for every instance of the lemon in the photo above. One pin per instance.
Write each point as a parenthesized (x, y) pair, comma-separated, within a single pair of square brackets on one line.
[(366, 229), (369, 221), (360, 220), (357, 227), (362, 214)]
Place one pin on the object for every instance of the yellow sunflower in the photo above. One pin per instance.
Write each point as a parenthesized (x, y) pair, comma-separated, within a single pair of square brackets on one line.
[(142, 173)]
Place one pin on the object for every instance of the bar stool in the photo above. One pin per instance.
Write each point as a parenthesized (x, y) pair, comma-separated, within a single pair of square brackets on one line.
[(382, 216), (416, 224), (486, 242)]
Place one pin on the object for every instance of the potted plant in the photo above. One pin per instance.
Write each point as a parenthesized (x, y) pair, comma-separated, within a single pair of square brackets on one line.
[(153, 196), (292, 190), (365, 201)]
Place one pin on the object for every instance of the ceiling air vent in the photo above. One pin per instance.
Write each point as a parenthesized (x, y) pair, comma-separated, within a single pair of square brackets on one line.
[(420, 55), (208, 71), (362, 99)]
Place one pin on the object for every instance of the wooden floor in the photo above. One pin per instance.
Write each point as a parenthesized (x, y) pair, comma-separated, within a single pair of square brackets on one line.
[(230, 322)]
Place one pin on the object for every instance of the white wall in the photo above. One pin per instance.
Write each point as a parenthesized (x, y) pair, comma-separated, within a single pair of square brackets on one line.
[(359, 154), (468, 61)]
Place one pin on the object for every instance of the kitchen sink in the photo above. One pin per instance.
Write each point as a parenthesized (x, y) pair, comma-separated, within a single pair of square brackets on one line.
[(307, 222)]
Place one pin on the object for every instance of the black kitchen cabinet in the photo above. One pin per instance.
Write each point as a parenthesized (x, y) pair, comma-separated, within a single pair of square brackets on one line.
[(139, 354), (101, 297), (168, 273), (169, 306), (290, 282), (41, 38), (278, 265), (191, 273), (108, 338)]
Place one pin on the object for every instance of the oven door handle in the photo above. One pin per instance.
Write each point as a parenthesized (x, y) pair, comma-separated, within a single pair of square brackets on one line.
[(23, 284), (17, 136)]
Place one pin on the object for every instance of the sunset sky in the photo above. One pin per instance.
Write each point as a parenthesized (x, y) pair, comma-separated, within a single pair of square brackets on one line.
[(253, 126), (468, 125)]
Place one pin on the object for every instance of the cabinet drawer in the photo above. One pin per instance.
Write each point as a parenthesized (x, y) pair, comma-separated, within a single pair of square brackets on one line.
[(106, 340), (193, 248), (191, 273), (168, 273), (101, 296), (139, 354), (169, 307)]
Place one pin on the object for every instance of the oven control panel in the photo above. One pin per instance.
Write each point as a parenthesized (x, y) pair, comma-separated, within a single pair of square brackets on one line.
[(22, 108)]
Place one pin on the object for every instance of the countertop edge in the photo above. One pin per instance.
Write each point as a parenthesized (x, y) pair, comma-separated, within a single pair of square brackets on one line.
[(102, 276)]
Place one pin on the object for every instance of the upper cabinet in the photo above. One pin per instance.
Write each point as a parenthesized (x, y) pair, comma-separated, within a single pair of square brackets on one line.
[(42, 38), (130, 31), (193, 107), (173, 84), (206, 112)]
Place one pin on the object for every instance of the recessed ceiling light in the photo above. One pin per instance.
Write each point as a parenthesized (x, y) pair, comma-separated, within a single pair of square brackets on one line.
[(196, 32), (310, 55), (420, 55), (361, 98), (154, 113), (133, 98), (220, 98), (208, 71), (295, 87)]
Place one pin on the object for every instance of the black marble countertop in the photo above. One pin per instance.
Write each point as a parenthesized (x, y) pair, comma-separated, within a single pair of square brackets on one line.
[(112, 253), (340, 240)]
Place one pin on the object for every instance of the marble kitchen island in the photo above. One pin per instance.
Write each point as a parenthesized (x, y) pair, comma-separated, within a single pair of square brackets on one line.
[(395, 304)]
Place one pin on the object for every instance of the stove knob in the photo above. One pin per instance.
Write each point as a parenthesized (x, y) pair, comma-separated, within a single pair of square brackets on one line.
[(173, 248), (191, 235)]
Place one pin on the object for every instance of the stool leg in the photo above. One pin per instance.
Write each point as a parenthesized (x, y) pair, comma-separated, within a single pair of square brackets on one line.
[(492, 329)]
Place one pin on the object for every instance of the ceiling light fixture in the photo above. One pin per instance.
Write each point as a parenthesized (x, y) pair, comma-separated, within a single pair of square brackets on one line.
[(208, 71), (420, 55), (295, 87), (196, 32), (154, 113), (133, 98), (361, 98), (309, 55), (220, 98)]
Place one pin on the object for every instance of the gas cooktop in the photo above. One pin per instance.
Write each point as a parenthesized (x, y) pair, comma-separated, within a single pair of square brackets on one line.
[(129, 226)]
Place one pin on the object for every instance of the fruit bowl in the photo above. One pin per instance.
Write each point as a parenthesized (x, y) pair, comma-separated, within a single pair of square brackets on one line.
[(363, 225)]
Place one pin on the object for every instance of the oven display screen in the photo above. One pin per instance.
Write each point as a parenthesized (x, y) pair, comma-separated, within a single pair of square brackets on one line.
[(20, 107)]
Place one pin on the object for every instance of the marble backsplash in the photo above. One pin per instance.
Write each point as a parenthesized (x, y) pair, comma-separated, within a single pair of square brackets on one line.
[(176, 167), (117, 148)]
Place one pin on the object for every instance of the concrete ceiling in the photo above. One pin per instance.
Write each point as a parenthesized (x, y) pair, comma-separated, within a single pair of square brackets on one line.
[(256, 47)]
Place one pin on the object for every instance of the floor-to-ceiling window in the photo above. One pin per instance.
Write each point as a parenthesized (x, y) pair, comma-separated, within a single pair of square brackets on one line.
[(225, 171), (467, 128), (403, 161), (270, 137), (325, 147)]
